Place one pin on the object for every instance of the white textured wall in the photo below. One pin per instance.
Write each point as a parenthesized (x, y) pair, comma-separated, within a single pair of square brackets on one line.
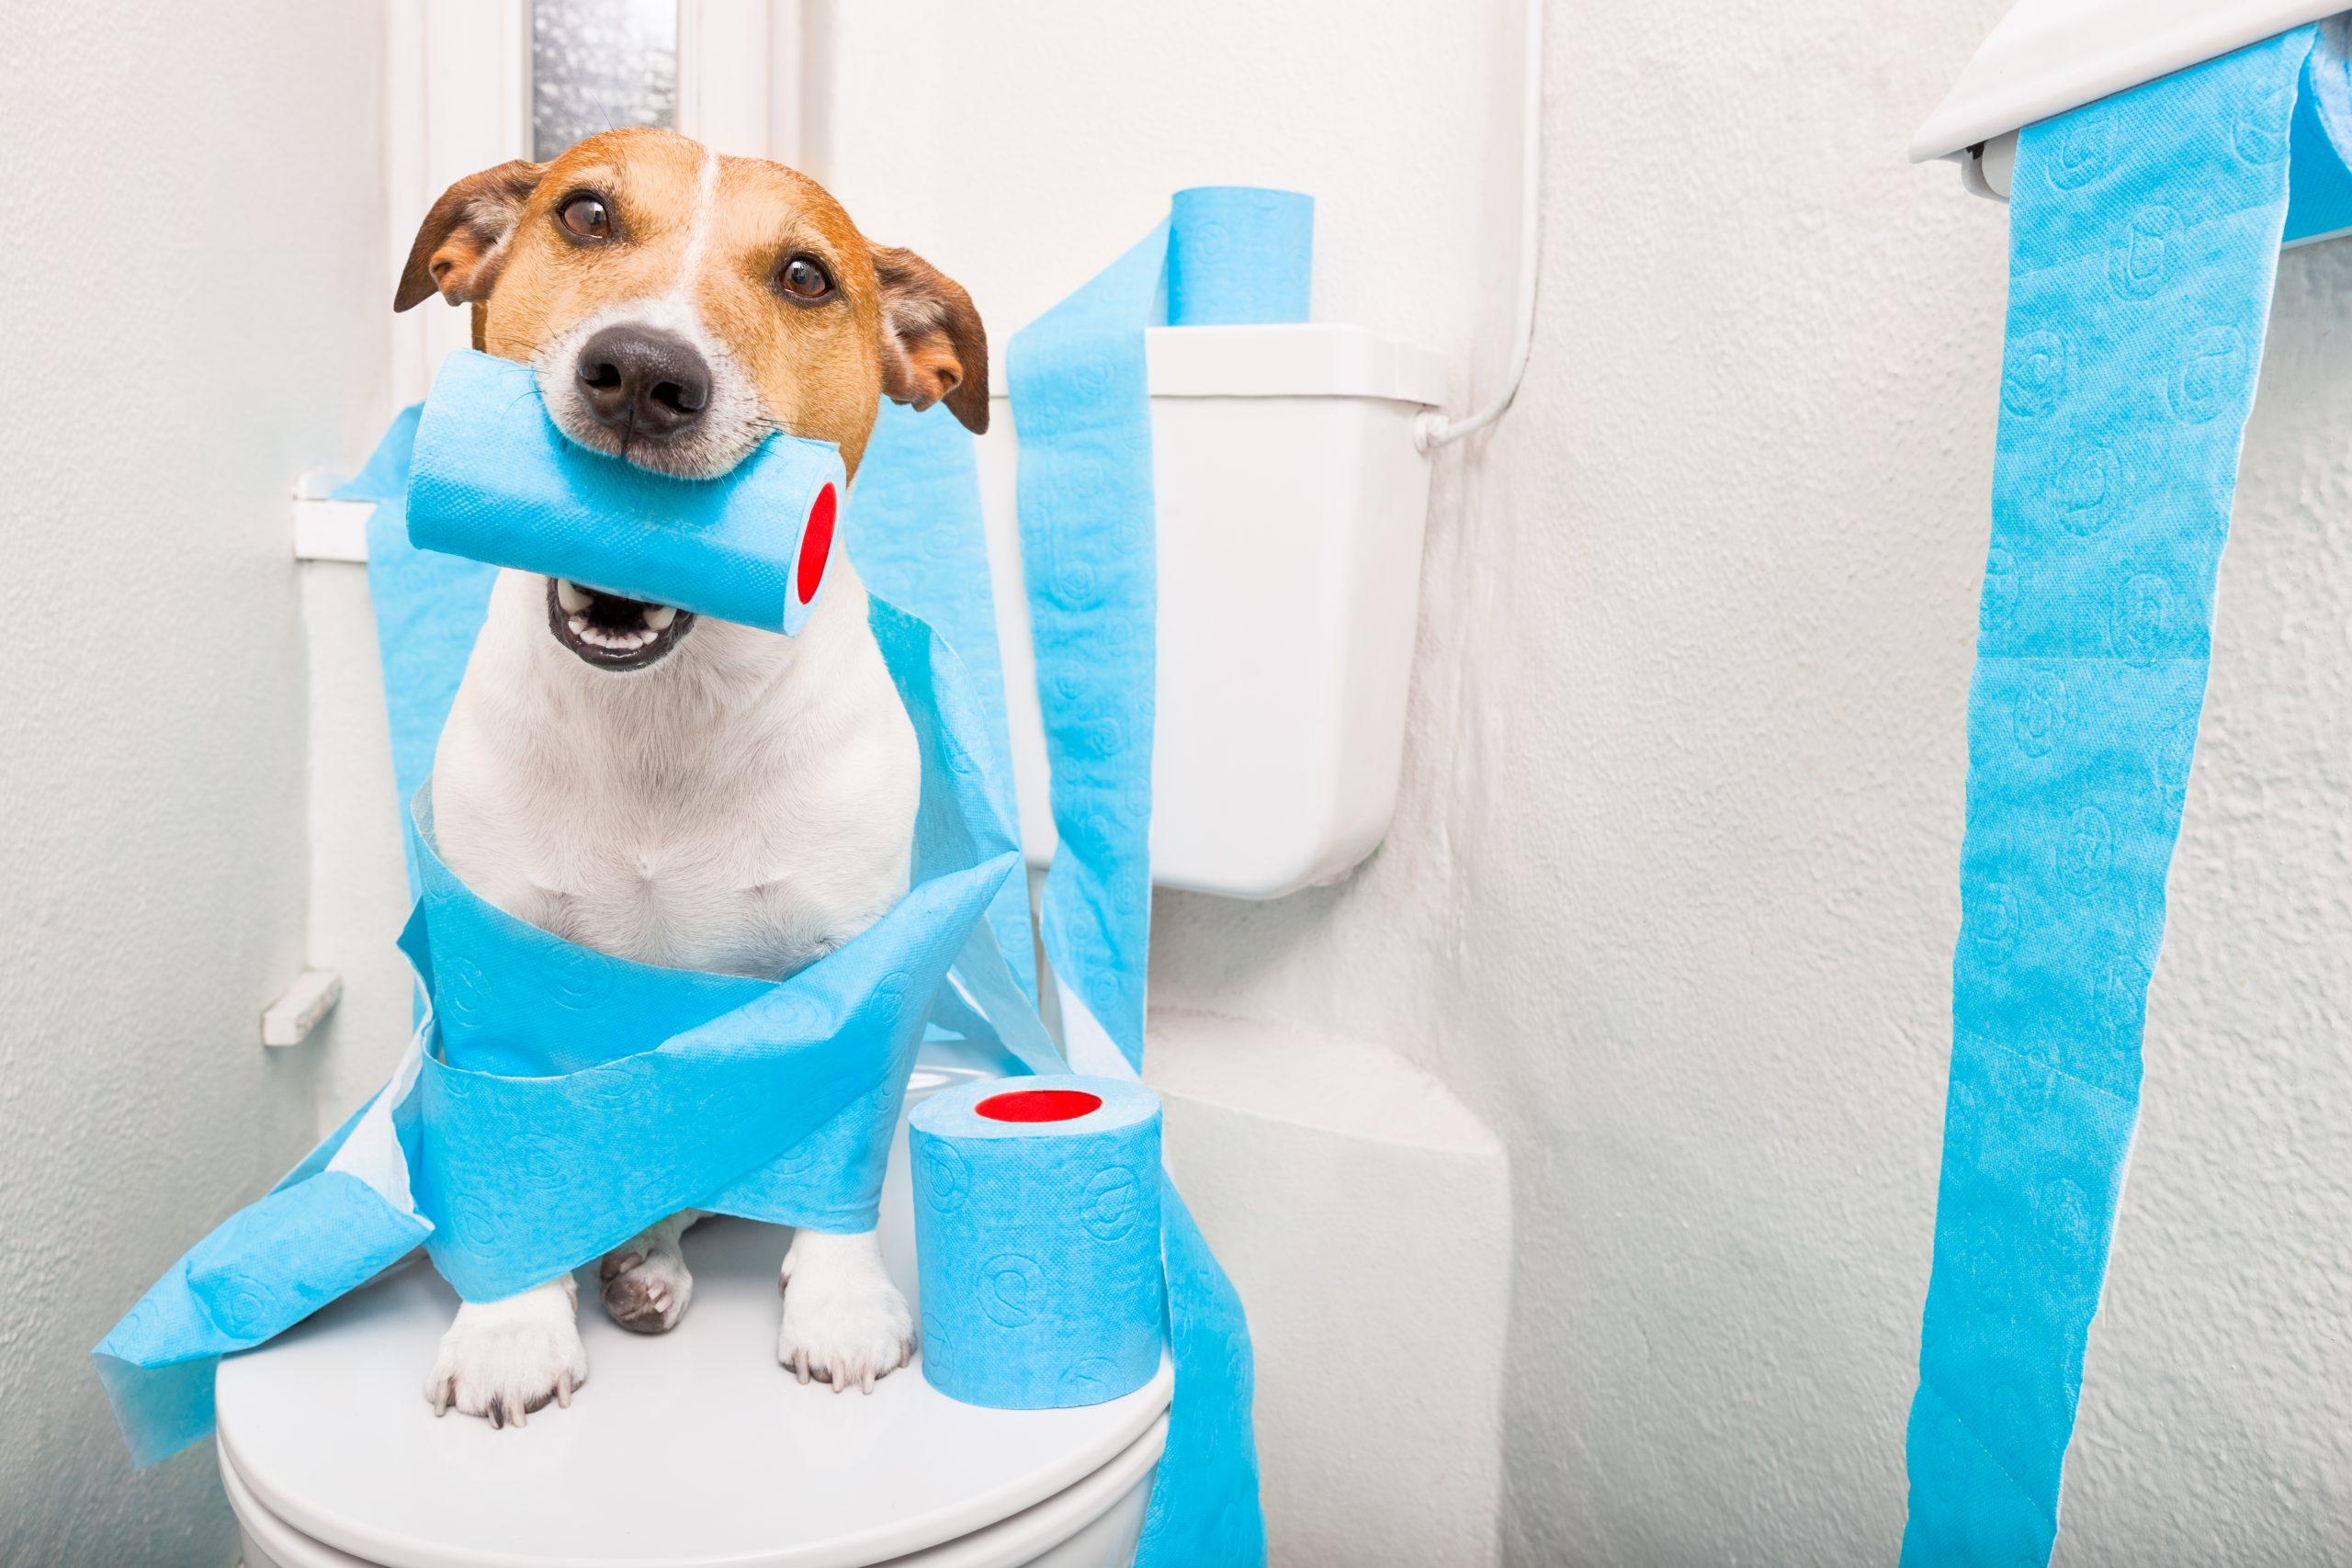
[(1023, 150), (1671, 895), (190, 202)]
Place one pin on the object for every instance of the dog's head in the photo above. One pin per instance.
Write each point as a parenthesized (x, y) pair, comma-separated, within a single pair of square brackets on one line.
[(677, 306)]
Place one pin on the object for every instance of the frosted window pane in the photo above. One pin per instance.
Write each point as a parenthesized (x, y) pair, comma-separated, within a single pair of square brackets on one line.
[(600, 64)]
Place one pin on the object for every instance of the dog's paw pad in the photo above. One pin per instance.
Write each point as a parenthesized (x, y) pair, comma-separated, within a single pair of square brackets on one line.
[(504, 1365), (648, 1294), (846, 1331)]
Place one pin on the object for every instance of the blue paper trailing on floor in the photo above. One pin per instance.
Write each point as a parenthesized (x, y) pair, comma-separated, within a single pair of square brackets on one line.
[(2145, 236)]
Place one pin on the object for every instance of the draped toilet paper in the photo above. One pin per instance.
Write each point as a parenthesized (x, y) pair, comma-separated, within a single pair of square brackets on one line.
[(494, 481), (915, 530), (1081, 404), (2144, 235), (558, 1100), (1037, 1240), (1081, 401)]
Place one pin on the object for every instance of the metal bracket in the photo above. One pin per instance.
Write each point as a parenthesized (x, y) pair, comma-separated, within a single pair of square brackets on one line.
[(1986, 167)]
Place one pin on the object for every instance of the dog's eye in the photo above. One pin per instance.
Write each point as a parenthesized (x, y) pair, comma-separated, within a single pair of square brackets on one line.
[(586, 216), (804, 279)]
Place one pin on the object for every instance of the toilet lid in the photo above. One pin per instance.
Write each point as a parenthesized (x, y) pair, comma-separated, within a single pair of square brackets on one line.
[(689, 1448)]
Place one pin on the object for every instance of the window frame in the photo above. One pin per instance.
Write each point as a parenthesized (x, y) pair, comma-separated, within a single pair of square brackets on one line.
[(457, 99)]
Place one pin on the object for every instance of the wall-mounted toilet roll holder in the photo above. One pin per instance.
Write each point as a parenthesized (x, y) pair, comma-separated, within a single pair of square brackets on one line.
[(2049, 56)]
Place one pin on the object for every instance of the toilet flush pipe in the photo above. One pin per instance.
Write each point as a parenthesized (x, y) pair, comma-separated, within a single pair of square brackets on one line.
[(1434, 429)]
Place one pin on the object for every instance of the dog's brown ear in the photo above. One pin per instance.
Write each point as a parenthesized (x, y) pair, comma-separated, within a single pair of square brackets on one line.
[(933, 347), (457, 247)]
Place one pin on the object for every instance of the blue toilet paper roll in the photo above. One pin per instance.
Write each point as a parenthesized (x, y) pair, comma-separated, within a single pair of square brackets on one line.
[(493, 481), (1037, 1240), (1239, 255)]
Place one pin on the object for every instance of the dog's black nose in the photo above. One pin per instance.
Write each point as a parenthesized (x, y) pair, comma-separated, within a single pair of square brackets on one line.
[(651, 383)]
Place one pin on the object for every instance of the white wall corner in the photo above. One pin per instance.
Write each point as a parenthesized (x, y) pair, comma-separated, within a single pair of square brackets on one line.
[(1364, 1215)]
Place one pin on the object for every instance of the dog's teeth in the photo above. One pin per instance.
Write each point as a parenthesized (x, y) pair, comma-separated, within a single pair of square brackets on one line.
[(570, 597), (659, 617), (607, 637)]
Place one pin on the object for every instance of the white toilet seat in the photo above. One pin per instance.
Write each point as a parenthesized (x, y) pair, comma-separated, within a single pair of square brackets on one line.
[(693, 1448), (1091, 1523)]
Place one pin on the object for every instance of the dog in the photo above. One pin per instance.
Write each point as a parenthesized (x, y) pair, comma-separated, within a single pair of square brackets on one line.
[(673, 790)]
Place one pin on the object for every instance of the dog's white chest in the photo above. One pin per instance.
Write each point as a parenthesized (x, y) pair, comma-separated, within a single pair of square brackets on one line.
[(717, 821), (738, 896)]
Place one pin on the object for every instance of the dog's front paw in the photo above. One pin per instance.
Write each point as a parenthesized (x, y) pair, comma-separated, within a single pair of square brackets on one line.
[(844, 1322), (646, 1285), (504, 1360)]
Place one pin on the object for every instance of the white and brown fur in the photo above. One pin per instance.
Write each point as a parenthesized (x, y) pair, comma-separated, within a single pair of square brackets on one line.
[(681, 792)]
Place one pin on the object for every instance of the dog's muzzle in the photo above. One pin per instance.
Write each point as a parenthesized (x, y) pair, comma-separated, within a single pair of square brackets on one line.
[(612, 633)]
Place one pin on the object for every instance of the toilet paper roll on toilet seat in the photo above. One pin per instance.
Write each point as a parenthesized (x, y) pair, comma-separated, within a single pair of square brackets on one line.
[(1037, 1240)]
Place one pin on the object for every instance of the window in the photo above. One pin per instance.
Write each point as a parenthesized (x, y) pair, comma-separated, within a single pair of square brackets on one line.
[(598, 65)]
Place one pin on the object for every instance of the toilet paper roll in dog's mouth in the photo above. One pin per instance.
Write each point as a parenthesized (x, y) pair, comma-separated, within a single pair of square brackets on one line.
[(493, 480)]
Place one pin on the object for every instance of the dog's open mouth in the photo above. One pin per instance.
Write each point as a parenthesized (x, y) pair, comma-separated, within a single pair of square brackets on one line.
[(611, 632)]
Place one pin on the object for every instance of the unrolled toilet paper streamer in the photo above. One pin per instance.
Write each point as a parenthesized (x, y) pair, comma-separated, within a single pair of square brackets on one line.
[(916, 533), (1081, 401), (1036, 1210), (1081, 405), (2144, 235), (558, 1100), (493, 480)]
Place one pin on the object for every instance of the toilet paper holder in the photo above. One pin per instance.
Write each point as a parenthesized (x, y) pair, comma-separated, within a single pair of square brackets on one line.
[(2047, 56)]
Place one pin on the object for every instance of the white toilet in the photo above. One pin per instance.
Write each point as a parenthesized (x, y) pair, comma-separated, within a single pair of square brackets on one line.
[(693, 1448)]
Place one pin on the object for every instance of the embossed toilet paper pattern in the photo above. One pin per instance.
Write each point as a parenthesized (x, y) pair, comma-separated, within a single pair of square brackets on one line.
[(2144, 233), (1038, 1244)]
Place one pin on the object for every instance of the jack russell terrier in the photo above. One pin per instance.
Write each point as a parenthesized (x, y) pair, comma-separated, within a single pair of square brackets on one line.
[(682, 792)]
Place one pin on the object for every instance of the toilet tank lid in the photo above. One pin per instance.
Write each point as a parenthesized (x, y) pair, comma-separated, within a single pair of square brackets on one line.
[(1303, 359), (2049, 56)]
